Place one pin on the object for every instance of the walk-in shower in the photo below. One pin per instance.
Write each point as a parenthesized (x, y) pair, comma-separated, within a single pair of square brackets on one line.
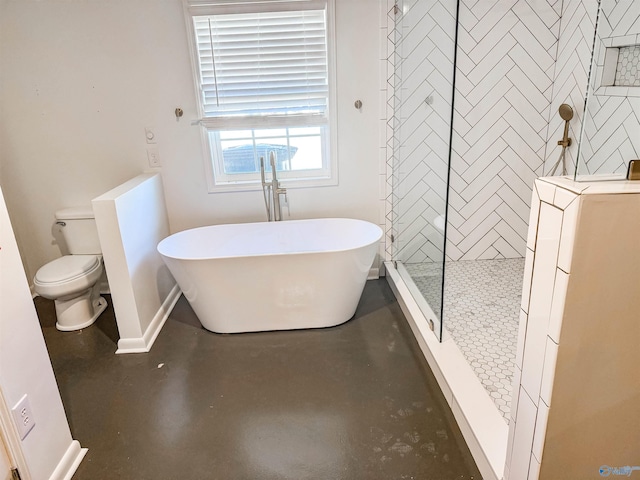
[(486, 97), (472, 99)]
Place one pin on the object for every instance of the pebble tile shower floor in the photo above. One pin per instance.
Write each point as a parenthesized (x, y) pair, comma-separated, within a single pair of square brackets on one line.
[(352, 402), (481, 313)]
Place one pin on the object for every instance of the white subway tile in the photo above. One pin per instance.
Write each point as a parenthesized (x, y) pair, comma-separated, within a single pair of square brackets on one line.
[(569, 222), (523, 438), (510, 440), (382, 160), (627, 40), (534, 469), (546, 191), (382, 187), (382, 132), (563, 198), (382, 46), (383, 75), (507, 473), (557, 305), (382, 106), (548, 371), (515, 393), (526, 279), (540, 430), (541, 298), (522, 332)]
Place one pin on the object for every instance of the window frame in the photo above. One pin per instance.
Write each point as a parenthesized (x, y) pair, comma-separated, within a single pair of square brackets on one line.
[(217, 181)]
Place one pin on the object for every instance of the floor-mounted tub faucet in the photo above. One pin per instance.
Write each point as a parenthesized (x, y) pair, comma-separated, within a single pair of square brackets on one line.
[(272, 190)]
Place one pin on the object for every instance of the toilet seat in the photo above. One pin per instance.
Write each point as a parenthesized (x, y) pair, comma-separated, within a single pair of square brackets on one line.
[(69, 275), (66, 269)]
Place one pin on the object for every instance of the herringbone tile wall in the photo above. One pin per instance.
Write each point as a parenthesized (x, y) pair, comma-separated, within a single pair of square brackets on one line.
[(612, 124), (504, 86), (518, 61), (506, 64), (571, 77)]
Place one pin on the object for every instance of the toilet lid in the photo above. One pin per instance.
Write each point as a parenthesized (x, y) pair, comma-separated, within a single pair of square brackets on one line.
[(67, 268)]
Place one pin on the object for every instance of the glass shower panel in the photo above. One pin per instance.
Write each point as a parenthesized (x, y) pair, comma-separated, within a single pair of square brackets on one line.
[(425, 41)]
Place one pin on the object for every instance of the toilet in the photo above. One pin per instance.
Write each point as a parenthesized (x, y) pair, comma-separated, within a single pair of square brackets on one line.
[(73, 281)]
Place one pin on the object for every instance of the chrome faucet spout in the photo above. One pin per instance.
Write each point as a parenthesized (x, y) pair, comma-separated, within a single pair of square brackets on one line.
[(266, 190), (276, 189), (271, 190)]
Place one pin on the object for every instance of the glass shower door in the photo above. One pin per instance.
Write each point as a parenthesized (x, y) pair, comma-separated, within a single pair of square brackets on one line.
[(425, 45)]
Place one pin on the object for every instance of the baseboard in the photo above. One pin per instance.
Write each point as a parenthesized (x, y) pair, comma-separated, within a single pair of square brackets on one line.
[(69, 462), (482, 426), (143, 344), (374, 273)]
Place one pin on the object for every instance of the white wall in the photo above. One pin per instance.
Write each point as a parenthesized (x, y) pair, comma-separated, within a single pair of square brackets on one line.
[(80, 82), (131, 221), (25, 367)]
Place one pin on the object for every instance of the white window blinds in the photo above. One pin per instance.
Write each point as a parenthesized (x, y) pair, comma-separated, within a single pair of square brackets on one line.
[(262, 63)]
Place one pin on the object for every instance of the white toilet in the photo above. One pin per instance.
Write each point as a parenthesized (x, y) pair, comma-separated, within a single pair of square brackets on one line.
[(73, 280)]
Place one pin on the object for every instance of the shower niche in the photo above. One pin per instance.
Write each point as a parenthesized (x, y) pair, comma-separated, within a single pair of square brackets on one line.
[(611, 119)]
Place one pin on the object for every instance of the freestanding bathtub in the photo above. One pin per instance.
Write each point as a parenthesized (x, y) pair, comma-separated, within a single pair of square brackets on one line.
[(273, 275)]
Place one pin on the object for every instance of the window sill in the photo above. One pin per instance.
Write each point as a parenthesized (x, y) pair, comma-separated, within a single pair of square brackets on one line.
[(254, 186)]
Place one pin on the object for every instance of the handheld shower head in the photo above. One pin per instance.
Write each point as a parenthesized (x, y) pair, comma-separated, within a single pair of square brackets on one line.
[(566, 112)]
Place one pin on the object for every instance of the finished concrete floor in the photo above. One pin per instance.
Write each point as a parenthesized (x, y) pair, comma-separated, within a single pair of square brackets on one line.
[(356, 401)]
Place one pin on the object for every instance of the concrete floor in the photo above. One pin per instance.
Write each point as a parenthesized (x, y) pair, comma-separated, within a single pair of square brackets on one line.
[(356, 401)]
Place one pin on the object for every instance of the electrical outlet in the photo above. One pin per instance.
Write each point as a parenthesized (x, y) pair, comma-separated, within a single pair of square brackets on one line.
[(153, 156), (23, 417)]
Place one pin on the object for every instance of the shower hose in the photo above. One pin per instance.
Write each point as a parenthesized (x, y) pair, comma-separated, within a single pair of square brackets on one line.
[(560, 160)]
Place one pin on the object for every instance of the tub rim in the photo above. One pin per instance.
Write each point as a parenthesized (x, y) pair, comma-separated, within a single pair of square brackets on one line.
[(271, 254)]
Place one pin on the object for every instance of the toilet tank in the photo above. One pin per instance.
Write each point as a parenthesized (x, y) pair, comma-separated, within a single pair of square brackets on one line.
[(78, 227)]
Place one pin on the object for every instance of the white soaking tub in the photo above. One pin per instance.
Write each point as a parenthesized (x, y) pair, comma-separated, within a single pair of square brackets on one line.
[(273, 276)]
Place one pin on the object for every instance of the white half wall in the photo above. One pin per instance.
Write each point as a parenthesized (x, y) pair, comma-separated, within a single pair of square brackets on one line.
[(25, 368), (81, 80), (132, 220)]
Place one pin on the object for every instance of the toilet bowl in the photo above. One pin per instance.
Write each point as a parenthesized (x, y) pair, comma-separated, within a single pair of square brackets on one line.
[(73, 281)]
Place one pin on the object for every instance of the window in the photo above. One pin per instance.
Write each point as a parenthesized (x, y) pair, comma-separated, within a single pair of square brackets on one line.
[(264, 78)]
